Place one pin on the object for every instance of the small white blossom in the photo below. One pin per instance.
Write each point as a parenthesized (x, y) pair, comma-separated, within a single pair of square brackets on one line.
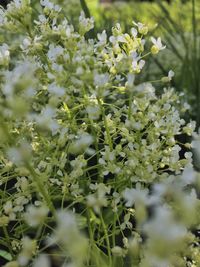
[(138, 65), (102, 38), (4, 54), (54, 52), (134, 32), (142, 28), (81, 144), (156, 228), (2, 17), (157, 45), (49, 5), (135, 195), (85, 24), (169, 77), (28, 250), (35, 215), (101, 80), (56, 90)]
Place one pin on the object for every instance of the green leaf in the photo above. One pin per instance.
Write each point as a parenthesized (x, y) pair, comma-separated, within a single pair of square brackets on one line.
[(6, 255), (85, 8)]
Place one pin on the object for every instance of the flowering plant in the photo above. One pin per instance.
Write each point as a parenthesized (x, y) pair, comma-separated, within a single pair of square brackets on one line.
[(86, 150)]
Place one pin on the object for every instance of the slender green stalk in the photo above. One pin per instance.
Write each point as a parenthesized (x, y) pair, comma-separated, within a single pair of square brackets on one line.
[(130, 105), (194, 21), (106, 125), (195, 61), (41, 189), (8, 241), (107, 240)]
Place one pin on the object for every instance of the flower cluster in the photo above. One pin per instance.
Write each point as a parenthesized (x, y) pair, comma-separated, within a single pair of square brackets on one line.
[(87, 147)]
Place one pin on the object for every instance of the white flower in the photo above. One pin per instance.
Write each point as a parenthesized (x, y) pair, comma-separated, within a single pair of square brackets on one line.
[(137, 64), (163, 219), (130, 80), (157, 45), (93, 112), (85, 24), (22, 184), (17, 3), (4, 54), (135, 195), (142, 28), (46, 119), (42, 19), (56, 90), (50, 6), (102, 37), (81, 144), (189, 128), (14, 155), (54, 52), (42, 261), (169, 77), (35, 215), (8, 209), (134, 32), (2, 17), (28, 250), (46, 3), (117, 251), (101, 79), (98, 199), (26, 43)]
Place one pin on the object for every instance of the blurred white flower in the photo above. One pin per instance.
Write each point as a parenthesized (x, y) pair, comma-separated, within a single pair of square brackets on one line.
[(49, 5), (54, 52), (169, 77), (42, 261), (137, 63), (135, 195), (81, 144), (28, 250), (34, 216), (102, 38), (157, 45), (134, 32), (56, 90), (142, 28), (85, 24), (163, 219), (4, 54), (101, 80)]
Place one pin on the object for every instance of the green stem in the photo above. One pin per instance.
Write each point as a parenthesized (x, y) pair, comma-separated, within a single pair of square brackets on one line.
[(147, 54), (41, 188), (114, 230), (107, 240), (8, 241), (130, 104), (106, 125), (194, 23)]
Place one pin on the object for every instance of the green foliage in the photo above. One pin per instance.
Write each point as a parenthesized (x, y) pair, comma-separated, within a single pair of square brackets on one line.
[(91, 173), (184, 49)]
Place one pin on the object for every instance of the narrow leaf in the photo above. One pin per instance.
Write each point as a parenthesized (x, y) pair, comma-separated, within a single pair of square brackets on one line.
[(6, 255)]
